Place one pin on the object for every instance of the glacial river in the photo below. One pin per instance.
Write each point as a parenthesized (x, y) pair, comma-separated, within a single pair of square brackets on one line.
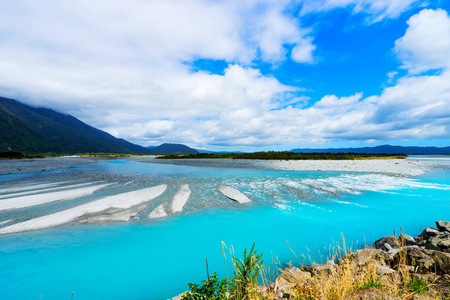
[(294, 216)]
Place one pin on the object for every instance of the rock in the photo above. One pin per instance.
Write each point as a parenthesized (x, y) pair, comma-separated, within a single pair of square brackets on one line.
[(424, 265), (390, 240), (384, 270), (427, 233), (444, 244), (432, 243), (362, 257), (315, 269), (407, 240), (442, 261), (442, 285), (366, 294), (294, 274), (412, 255), (443, 226), (282, 284)]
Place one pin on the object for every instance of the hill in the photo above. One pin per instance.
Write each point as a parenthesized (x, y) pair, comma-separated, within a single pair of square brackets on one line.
[(33, 130), (171, 148), (384, 149)]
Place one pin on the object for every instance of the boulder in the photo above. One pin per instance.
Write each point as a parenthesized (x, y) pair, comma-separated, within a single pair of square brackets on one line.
[(427, 233), (432, 243), (412, 255), (384, 270), (407, 240), (362, 257), (442, 261), (294, 275), (392, 241), (315, 269), (424, 265), (442, 285), (443, 226), (444, 244)]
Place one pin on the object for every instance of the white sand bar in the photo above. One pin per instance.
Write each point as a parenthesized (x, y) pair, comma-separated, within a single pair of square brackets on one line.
[(234, 194), (120, 201), (181, 198), (38, 199), (30, 187), (47, 190), (158, 212)]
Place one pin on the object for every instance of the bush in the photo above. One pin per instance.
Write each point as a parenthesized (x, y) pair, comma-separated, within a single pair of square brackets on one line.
[(210, 289)]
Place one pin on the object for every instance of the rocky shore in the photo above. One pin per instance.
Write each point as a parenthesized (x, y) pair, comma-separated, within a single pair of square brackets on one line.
[(394, 267), (391, 262)]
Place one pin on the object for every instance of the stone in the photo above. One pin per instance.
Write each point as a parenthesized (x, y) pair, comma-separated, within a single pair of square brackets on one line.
[(390, 240), (443, 226), (362, 257), (424, 265), (407, 240), (442, 262), (369, 294), (294, 274), (442, 285), (427, 233), (314, 269), (444, 244), (384, 270), (412, 255), (432, 243)]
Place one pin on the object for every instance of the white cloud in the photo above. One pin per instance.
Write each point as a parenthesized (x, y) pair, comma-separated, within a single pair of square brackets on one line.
[(426, 43), (376, 10), (125, 69)]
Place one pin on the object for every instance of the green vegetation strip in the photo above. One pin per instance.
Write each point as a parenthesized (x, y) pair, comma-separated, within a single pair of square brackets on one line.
[(285, 155)]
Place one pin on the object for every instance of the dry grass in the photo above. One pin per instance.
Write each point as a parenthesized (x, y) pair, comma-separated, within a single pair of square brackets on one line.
[(355, 273)]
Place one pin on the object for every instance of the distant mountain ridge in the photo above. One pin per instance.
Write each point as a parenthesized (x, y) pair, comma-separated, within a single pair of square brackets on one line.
[(384, 149), (33, 130), (171, 148)]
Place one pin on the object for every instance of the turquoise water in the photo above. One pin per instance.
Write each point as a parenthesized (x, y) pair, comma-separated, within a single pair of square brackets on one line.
[(155, 259)]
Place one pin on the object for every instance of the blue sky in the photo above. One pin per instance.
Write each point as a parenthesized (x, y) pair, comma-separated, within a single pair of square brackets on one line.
[(243, 75)]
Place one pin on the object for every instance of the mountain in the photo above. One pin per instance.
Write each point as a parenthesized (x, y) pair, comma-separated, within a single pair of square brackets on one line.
[(171, 148), (33, 130), (384, 149)]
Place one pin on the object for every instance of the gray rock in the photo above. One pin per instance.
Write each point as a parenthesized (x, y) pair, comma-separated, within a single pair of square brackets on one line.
[(425, 265), (432, 243), (444, 244), (442, 262), (390, 240), (443, 226), (314, 269), (384, 270), (407, 239), (427, 233), (363, 256)]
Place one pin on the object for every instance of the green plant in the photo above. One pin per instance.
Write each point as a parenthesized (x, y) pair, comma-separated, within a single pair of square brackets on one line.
[(211, 289), (246, 273), (417, 285), (371, 283)]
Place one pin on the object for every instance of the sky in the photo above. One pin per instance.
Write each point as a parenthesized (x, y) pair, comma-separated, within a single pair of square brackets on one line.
[(247, 75)]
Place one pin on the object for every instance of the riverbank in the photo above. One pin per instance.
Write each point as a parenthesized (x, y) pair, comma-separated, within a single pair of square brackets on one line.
[(394, 267), (414, 166)]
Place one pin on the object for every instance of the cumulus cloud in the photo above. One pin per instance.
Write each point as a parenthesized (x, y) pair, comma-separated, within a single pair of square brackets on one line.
[(126, 69), (426, 43)]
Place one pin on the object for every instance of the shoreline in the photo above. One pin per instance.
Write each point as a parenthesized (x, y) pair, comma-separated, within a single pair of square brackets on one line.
[(411, 166), (397, 167)]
